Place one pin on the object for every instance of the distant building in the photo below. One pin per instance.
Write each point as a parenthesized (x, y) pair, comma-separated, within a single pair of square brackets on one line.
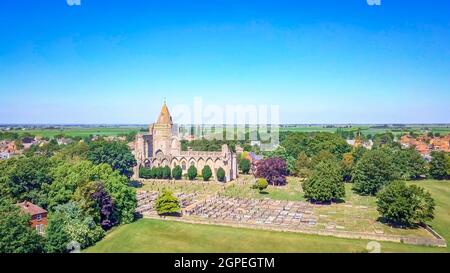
[(38, 215)]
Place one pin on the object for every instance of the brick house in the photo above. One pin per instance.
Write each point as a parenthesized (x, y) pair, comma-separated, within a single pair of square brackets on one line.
[(38, 215)]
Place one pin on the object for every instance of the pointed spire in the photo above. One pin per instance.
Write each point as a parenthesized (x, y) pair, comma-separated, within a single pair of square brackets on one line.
[(164, 115)]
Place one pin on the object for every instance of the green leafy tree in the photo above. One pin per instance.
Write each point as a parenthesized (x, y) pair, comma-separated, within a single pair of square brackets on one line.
[(166, 172), (57, 238), (206, 173), (77, 226), (220, 174), (114, 153), (145, 173), (410, 164), (26, 178), (177, 172), (244, 166), (16, 235), (325, 183), (192, 172), (374, 170), (303, 166), (167, 203), (400, 204), (439, 165)]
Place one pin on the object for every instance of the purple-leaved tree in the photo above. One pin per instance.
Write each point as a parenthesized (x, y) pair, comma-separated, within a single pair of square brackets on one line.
[(108, 215), (274, 170)]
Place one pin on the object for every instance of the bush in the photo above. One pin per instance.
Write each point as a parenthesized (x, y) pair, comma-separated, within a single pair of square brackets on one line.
[(326, 182), (405, 205), (221, 174), (145, 173), (206, 173), (261, 184), (165, 172), (158, 174), (177, 172), (167, 203), (244, 166), (374, 170), (192, 172), (274, 170)]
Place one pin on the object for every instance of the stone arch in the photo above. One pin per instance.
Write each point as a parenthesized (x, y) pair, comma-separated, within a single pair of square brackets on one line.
[(210, 163), (200, 164), (174, 163), (192, 162), (164, 162), (217, 164), (159, 153), (184, 164), (155, 163)]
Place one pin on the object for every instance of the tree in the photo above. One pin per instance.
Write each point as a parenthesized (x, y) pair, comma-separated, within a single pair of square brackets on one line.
[(177, 172), (439, 165), (26, 178), (105, 207), (373, 170), (261, 184), (244, 165), (302, 166), (57, 238), (16, 235), (192, 172), (145, 173), (220, 174), (114, 153), (273, 170), (325, 183), (281, 152), (347, 166), (410, 164), (206, 173), (165, 172), (167, 203), (405, 205), (78, 226)]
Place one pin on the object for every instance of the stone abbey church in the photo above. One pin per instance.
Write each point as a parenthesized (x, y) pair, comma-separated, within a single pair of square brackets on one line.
[(161, 147)]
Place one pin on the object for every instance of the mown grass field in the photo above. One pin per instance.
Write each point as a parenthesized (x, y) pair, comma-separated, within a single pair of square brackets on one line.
[(146, 235), (117, 130)]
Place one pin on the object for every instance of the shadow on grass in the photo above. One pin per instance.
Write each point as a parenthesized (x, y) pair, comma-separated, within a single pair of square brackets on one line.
[(398, 225)]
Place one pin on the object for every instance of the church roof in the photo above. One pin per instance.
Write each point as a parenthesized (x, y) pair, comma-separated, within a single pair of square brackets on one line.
[(164, 116)]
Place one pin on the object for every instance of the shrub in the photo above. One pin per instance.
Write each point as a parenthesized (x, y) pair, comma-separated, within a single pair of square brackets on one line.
[(221, 174), (192, 172), (177, 172), (167, 203), (325, 183), (145, 173), (244, 166), (206, 173), (261, 184), (374, 170), (165, 172), (274, 170), (405, 205)]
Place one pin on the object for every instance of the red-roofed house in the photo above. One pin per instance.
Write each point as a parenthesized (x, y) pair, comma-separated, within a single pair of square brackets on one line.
[(38, 215)]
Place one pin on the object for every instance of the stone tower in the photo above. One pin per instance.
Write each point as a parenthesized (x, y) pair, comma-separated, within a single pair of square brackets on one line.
[(161, 132)]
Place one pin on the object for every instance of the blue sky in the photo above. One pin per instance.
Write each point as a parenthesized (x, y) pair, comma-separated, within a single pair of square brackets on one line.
[(321, 61)]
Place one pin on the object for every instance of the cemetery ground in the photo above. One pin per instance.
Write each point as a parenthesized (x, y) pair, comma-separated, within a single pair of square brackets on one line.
[(356, 214)]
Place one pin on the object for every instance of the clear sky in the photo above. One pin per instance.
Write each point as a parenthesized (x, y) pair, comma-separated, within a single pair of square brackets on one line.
[(321, 61)]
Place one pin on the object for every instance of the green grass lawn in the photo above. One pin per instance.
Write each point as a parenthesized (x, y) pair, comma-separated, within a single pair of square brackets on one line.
[(147, 235)]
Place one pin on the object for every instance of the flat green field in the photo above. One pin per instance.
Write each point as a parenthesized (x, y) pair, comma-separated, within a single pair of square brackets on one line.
[(81, 132), (117, 130), (146, 235)]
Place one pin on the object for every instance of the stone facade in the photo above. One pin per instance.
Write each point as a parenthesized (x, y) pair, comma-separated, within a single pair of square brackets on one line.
[(161, 147)]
